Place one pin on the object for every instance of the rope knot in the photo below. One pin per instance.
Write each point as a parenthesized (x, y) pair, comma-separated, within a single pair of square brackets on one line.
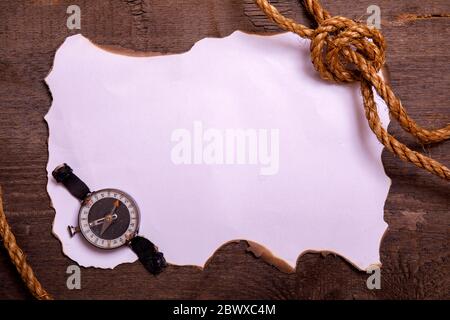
[(342, 48)]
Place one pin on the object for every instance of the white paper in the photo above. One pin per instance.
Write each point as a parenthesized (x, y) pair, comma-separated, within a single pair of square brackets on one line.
[(124, 122)]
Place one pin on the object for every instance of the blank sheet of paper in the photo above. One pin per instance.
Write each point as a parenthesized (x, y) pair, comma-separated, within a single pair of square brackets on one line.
[(238, 138)]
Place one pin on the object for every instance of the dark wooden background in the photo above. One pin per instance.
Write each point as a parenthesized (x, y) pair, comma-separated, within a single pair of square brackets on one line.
[(415, 249)]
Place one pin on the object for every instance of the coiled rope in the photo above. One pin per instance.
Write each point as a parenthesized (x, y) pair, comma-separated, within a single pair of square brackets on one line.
[(343, 50)]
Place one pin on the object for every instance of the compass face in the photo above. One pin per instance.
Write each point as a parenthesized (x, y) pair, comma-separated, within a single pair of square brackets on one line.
[(108, 218)]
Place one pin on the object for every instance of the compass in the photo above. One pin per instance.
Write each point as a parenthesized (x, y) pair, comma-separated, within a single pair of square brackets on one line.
[(109, 219)]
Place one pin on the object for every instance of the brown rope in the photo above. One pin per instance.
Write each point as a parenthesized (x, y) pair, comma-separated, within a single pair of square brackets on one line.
[(18, 258), (343, 50)]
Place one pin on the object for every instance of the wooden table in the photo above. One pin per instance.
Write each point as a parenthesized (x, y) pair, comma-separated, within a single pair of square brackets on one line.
[(415, 249)]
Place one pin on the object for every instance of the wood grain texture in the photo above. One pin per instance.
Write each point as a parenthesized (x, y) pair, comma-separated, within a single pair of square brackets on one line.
[(415, 250)]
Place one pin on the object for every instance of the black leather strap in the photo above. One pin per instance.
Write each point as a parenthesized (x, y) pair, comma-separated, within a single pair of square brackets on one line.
[(148, 254), (64, 174)]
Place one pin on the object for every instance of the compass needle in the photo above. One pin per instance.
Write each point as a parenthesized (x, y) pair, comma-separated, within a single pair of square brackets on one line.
[(106, 223), (109, 218)]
